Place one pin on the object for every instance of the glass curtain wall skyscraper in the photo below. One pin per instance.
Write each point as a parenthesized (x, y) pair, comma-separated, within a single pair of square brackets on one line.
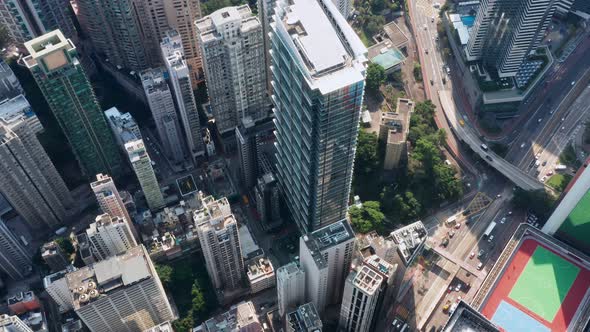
[(318, 78)]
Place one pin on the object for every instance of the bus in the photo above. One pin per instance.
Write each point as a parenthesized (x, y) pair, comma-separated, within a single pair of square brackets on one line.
[(489, 229)]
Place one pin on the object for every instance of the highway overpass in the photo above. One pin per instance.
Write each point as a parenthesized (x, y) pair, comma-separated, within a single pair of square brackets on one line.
[(466, 134)]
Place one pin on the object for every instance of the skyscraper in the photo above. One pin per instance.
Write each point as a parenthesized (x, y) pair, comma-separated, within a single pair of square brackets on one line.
[(232, 47), (110, 201), (218, 233), (122, 293), (53, 256), (365, 290), (26, 20), (247, 152), (56, 286), (15, 260), (9, 85), (179, 76), (109, 236), (318, 69), (161, 104), (115, 31), (28, 179), (268, 199), (159, 16), (142, 165), (506, 32), (123, 125), (54, 63), (325, 256), (290, 287)]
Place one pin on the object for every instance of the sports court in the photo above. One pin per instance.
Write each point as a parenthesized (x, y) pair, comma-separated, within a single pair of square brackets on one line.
[(577, 224), (539, 290)]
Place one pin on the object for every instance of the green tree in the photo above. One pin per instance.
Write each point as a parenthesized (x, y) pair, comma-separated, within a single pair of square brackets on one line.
[(539, 201), (417, 72), (165, 274), (367, 218), (66, 245), (366, 158), (375, 76), (199, 306), (374, 24), (185, 324)]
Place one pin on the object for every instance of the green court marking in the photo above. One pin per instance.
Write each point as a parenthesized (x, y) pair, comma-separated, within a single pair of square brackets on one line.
[(544, 283), (577, 225)]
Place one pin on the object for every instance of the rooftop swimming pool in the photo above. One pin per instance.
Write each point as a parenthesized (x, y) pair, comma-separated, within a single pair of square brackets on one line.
[(468, 20)]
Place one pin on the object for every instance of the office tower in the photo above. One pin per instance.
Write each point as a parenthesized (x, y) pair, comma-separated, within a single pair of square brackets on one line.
[(54, 257), (325, 256), (56, 286), (304, 319), (9, 85), (54, 63), (15, 261), (232, 47), (25, 20), (109, 236), (247, 152), (110, 200), (290, 287), (318, 69), (28, 179), (160, 16), (268, 199), (122, 293), (179, 76), (115, 31), (123, 125), (366, 290), (159, 98), (142, 166), (13, 324), (506, 32), (218, 233)]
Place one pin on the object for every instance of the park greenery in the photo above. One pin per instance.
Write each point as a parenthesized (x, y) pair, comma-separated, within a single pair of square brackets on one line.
[(375, 76), (424, 182), (370, 18), (559, 181), (65, 245), (417, 72), (188, 283)]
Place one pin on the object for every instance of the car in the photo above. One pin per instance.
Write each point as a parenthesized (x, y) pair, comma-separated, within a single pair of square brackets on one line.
[(543, 179), (480, 253), (431, 82), (451, 234), (562, 119), (503, 220), (573, 83), (489, 158), (432, 19), (499, 196), (537, 156), (522, 145), (445, 242), (562, 128), (458, 225), (425, 27), (539, 120), (450, 289), (544, 163), (509, 213), (480, 266), (491, 238), (471, 255), (549, 173), (458, 288), (551, 112), (537, 163), (426, 51)]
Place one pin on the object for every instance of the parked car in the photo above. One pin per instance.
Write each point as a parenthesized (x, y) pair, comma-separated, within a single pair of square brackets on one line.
[(480, 266), (471, 255), (503, 220)]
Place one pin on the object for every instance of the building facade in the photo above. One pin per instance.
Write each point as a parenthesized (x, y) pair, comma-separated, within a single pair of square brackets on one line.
[(179, 76), (13, 324), (218, 233), (123, 125), (9, 85), (110, 200), (122, 293), (54, 63), (318, 69), (115, 31), (142, 166), (28, 178), (54, 257), (247, 152), (261, 274), (15, 260), (505, 32), (304, 319), (161, 104), (56, 286), (109, 236), (25, 20), (232, 48), (290, 287), (325, 255), (268, 200)]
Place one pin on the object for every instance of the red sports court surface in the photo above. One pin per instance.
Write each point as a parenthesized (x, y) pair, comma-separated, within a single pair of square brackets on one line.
[(564, 278)]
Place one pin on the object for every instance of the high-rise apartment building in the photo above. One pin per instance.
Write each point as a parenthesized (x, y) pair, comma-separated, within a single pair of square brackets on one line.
[(110, 200), (268, 199), (325, 255), (142, 166), (180, 81), (28, 179), (505, 32), (247, 152), (305, 319), (318, 69), (15, 260), (161, 104), (232, 48), (218, 233), (115, 31), (13, 324), (365, 291), (9, 85), (123, 125), (159, 16), (54, 63), (122, 293), (56, 286), (109, 236), (290, 287), (53, 256), (25, 20)]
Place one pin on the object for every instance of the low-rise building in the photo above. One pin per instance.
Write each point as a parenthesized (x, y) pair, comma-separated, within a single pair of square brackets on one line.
[(240, 317), (393, 131), (261, 274), (304, 319), (410, 240)]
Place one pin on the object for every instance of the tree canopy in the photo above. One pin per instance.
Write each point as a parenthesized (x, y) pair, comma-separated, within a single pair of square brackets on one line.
[(539, 202), (367, 218), (375, 76)]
